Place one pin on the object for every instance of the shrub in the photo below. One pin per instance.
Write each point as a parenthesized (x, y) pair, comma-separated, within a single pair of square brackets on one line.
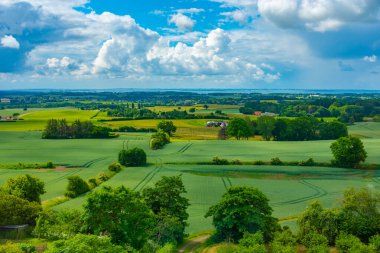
[(92, 183), (76, 187), (132, 157), (27, 248), (258, 162), (375, 242), (315, 242), (218, 161), (10, 247), (26, 187), (308, 162), (50, 165), (159, 140), (236, 162), (348, 243), (252, 243), (167, 127), (284, 242), (115, 167), (348, 151), (15, 210), (276, 161)]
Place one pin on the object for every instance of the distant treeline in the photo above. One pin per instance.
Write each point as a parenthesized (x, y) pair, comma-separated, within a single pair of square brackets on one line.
[(60, 129), (135, 113), (348, 111), (300, 129)]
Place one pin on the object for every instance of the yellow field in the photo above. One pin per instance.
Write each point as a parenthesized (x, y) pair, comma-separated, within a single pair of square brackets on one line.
[(211, 107)]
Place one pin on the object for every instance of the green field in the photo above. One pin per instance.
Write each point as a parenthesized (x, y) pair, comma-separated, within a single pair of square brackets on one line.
[(289, 188)]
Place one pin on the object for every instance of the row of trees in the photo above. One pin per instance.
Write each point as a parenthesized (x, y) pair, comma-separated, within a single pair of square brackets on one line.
[(165, 129), (146, 221), (299, 129), (60, 129), (243, 215)]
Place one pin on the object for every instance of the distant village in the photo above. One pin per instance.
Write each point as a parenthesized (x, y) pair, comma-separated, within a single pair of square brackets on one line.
[(8, 118)]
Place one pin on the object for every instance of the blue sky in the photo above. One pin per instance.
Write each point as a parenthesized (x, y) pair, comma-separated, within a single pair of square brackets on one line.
[(272, 44)]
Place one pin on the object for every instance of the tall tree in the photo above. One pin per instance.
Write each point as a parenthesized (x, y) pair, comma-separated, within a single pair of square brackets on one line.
[(167, 126), (242, 209), (239, 128), (26, 187), (348, 151), (119, 212), (266, 125)]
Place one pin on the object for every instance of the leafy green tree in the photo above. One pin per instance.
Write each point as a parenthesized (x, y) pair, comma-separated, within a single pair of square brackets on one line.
[(15, 210), (76, 186), (315, 243), (55, 225), (132, 157), (10, 247), (266, 125), (239, 128), (284, 242), (360, 213), (120, 213), (159, 140), (348, 151), (252, 243), (85, 244), (26, 187), (347, 243), (241, 210), (166, 199), (375, 242), (167, 229), (333, 130), (322, 221), (167, 126)]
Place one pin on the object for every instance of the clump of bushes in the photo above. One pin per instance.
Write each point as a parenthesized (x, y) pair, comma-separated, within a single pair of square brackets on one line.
[(131, 129), (159, 140), (132, 157), (308, 162), (115, 167), (259, 162), (236, 162), (76, 187), (276, 161), (218, 161)]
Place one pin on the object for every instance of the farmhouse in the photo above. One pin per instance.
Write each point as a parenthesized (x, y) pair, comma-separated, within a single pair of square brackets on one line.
[(8, 118), (216, 124), (5, 100)]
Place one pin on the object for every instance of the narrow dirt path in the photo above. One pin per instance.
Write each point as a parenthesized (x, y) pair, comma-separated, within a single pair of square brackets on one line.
[(193, 244)]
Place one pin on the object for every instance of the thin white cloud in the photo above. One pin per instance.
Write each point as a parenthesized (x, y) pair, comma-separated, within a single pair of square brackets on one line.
[(10, 42), (240, 16), (371, 58)]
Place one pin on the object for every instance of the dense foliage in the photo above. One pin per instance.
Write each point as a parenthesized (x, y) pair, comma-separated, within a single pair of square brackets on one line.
[(60, 129), (239, 128), (167, 127), (120, 213), (17, 211), (348, 151), (159, 140), (26, 187), (241, 210), (132, 157), (166, 200), (76, 186)]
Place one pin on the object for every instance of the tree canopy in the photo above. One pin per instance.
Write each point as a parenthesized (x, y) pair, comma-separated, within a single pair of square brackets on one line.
[(242, 209), (239, 128), (132, 157), (167, 126), (26, 187), (348, 151)]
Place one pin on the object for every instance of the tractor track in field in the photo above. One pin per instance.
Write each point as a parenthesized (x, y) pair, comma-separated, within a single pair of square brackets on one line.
[(89, 163), (184, 148), (148, 177), (319, 192), (226, 182), (71, 173)]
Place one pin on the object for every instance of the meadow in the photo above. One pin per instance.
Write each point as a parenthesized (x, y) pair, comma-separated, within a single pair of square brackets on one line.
[(289, 188)]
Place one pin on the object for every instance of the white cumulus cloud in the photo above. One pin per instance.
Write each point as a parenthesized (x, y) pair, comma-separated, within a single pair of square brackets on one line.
[(372, 58), (182, 22), (10, 42), (319, 15)]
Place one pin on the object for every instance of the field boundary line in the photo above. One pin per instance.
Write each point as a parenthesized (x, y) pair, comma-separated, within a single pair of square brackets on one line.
[(184, 148)]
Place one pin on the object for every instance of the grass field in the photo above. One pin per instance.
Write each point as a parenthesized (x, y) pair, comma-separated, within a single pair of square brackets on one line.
[(289, 188)]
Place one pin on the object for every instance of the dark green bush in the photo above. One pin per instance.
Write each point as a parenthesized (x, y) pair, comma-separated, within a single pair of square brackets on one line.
[(132, 157), (218, 161), (115, 167), (76, 187), (276, 161)]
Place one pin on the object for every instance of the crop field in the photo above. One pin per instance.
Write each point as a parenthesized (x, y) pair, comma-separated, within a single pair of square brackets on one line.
[(289, 188)]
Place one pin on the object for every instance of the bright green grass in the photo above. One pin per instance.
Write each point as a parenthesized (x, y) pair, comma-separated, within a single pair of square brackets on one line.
[(288, 188), (36, 120), (10, 112), (366, 130)]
